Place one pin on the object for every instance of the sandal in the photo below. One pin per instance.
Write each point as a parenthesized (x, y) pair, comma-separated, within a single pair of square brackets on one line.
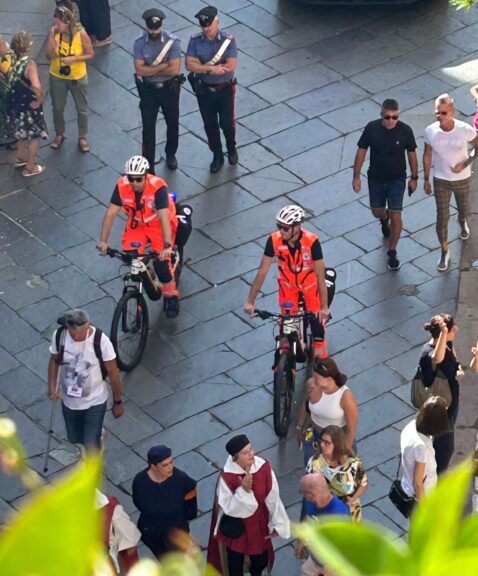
[(37, 169), (83, 145), (58, 141), (19, 163)]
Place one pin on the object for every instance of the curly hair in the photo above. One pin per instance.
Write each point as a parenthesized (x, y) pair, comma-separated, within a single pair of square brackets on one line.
[(21, 44)]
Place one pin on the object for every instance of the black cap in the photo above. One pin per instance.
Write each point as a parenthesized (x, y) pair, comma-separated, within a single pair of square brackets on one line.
[(206, 16), (236, 444), (157, 454), (154, 18)]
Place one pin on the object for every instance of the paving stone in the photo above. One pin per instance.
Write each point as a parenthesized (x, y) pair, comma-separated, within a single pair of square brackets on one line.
[(389, 510), (191, 283), (6, 511), (210, 333), (53, 230), (87, 259), (133, 426), (441, 289), (10, 231), (350, 274), (387, 75), (270, 182), (143, 388), (379, 447), (27, 251), (36, 358), (22, 387), (353, 116), (284, 457), (292, 59), (252, 42), (200, 529), (120, 462), (374, 382), (20, 203), (380, 413), (285, 562), (344, 307), (31, 436), (368, 237), (255, 373), (245, 409), (338, 251), (271, 120), (19, 288), (340, 220), (195, 464), (390, 467), (428, 262), (99, 183), (11, 488), (261, 21), (7, 362), (254, 157), (58, 192), (206, 489), (68, 160), (113, 63), (373, 351), (406, 363), (230, 263), (160, 352), (378, 487), (186, 435), (259, 433), (4, 404), (270, 284), (254, 343), (200, 247), (316, 163), (47, 265), (407, 250), (193, 400), (73, 287), (372, 514), (295, 82), (343, 335), (23, 337), (327, 98), (40, 414)]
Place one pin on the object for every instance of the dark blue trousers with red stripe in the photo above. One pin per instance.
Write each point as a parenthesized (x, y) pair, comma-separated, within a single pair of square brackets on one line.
[(217, 111)]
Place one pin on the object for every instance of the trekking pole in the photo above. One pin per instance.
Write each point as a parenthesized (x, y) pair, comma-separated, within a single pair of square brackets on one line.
[(61, 353)]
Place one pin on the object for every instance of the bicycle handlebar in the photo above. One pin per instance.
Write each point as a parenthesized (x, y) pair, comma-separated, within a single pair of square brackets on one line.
[(265, 314)]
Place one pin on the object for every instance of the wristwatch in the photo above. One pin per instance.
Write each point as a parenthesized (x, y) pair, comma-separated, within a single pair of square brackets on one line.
[(167, 245), (117, 402), (414, 177)]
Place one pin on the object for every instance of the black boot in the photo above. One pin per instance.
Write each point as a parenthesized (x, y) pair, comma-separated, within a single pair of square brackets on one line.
[(171, 162), (217, 162), (233, 157), (171, 306)]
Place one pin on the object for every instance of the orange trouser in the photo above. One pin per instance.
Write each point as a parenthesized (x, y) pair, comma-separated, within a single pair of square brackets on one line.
[(312, 304), (143, 235)]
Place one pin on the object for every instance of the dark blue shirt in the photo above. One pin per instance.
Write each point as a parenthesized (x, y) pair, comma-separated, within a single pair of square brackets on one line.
[(203, 49), (335, 506), (148, 50)]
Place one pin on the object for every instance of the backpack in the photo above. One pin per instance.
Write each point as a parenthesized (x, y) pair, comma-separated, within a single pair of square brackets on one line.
[(96, 346)]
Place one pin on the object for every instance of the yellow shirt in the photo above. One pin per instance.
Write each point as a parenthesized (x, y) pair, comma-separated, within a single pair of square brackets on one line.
[(78, 69)]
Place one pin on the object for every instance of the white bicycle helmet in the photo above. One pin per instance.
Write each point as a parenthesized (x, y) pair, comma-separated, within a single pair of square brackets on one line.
[(290, 215), (136, 166)]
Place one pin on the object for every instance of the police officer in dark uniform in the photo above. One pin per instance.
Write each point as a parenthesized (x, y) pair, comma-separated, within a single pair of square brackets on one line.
[(157, 61), (212, 58)]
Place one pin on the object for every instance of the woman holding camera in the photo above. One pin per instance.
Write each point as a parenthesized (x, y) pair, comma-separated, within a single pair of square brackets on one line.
[(68, 49)]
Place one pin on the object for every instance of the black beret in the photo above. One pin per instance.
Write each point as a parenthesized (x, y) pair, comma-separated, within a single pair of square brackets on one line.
[(236, 444), (153, 13), (157, 454), (206, 15)]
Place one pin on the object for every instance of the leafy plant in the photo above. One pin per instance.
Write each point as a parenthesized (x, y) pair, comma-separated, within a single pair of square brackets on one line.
[(440, 542), (465, 5)]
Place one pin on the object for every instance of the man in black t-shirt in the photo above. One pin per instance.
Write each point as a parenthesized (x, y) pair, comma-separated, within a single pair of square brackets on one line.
[(388, 140)]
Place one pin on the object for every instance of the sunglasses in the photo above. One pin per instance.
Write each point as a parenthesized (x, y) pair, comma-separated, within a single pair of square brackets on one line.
[(135, 178), (74, 325), (283, 227), (391, 117), (442, 112)]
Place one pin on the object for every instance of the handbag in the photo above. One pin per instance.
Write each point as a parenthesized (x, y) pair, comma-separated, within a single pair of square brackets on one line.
[(420, 393), (231, 527), (400, 499)]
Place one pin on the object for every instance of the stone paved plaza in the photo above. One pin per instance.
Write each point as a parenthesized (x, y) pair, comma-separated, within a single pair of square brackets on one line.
[(309, 81)]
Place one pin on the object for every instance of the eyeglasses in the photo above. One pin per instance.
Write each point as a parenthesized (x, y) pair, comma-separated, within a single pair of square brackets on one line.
[(135, 178), (283, 227), (390, 117), (442, 112)]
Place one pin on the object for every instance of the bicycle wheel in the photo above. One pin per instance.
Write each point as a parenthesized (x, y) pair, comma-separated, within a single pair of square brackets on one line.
[(283, 392), (129, 329)]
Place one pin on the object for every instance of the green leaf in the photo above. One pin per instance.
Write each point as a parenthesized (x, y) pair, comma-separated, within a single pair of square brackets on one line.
[(468, 533), (458, 562), (58, 532), (352, 549), (436, 520)]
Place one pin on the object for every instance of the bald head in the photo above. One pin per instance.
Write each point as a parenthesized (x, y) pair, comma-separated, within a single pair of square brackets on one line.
[(314, 483)]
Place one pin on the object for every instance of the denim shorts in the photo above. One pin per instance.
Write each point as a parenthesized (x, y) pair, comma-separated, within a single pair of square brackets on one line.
[(387, 194), (85, 426)]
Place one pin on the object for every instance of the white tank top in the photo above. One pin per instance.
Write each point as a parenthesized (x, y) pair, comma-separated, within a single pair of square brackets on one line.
[(327, 411)]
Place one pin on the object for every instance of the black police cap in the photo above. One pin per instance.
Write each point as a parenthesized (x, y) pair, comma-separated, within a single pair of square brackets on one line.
[(206, 15), (153, 13)]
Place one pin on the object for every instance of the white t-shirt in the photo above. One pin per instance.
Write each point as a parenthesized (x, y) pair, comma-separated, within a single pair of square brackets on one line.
[(449, 148), (416, 447), (81, 382)]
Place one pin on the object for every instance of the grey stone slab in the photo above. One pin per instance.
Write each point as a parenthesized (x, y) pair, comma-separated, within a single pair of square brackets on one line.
[(419, 215), (79, 207), (120, 462), (22, 387), (160, 352), (186, 435), (293, 59), (23, 337), (196, 465), (387, 75), (404, 393), (58, 192), (460, 71), (380, 413), (31, 436), (245, 409), (272, 120), (144, 388), (408, 250), (73, 287), (343, 335), (338, 251), (379, 447), (289, 489), (255, 156), (11, 230), (7, 362), (249, 72), (206, 489), (368, 237), (200, 528), (378, 288), (390, 467), (370, 352), (436, 54), (191, 283), (261, 21), (270, 284), (193, 400), (254, 343), (353, 116), (27, 251), (374, 382), (378, 487), (300, 138), (295, 82), (389, 511), (253, 43), (18, 288), (285, 457), (210, 333), (230, 263), (40, 414), (113, 63), (327, 98), (133, 426), (406, 363), (53, 230), (204, 365), (87, 259), (217, 301), (387, 313), (259, 433), (248, 103), (68, 160), (38, 23), (255, 373), (441, 289), (270, 182), (101, 313), (350, 274), (343, 219), (11, 488), (200, 246), (6, 511), (36, 358), (316, 163), (20, 203), (248, 225), (429, 260), (344, 307), (373, 514), (285, 562)]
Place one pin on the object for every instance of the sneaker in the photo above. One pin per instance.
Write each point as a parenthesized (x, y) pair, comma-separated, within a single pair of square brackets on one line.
[(393, 261), (99, 43), (444, 261), (465, 231), (171, 307), (385, 227)]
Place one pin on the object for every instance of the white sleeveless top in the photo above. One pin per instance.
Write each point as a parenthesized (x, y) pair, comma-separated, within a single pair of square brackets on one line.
[(327, 411)]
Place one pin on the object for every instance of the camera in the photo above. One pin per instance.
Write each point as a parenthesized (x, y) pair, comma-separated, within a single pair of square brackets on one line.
[(65, 70)]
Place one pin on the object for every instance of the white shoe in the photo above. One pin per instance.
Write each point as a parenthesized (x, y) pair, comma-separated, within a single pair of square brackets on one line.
[(465, 231), (444, 261)]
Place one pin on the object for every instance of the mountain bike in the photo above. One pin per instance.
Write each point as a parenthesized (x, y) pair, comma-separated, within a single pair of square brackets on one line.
[(294, 343), (130, 324)]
